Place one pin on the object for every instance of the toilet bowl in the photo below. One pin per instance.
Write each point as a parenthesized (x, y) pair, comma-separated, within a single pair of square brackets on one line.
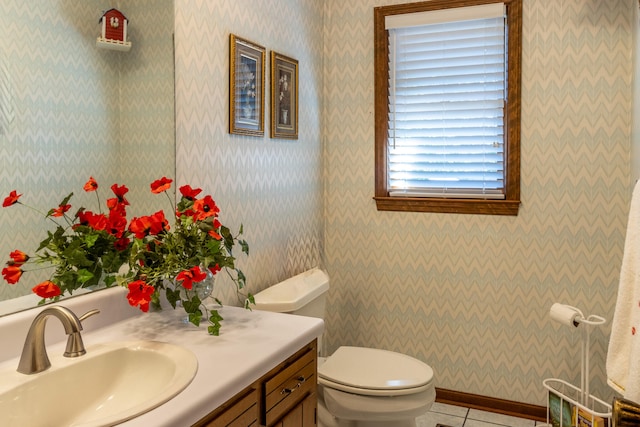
[(357, 386)]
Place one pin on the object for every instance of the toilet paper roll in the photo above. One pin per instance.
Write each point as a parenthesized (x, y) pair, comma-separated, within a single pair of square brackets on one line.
[(564, 314)]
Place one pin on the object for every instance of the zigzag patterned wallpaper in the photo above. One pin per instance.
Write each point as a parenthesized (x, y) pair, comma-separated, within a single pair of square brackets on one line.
[(470, 295), (272, 186), (147, 117), (81, 111)]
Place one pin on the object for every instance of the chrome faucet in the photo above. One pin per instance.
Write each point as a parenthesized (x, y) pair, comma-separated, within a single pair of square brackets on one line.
[(34, 357)]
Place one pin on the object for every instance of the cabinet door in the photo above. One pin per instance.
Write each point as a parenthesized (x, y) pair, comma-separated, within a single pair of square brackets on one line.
[(309, 411), (294, 417), (302, 415)]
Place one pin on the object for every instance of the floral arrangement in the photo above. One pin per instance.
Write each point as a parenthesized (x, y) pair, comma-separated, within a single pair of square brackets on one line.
[(146, 255)]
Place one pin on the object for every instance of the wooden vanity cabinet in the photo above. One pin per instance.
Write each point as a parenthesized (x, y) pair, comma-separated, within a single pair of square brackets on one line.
[(283, 397)]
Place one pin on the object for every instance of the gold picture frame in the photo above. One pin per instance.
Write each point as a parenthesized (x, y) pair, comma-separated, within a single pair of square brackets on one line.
[(246, 87), (284, 96)]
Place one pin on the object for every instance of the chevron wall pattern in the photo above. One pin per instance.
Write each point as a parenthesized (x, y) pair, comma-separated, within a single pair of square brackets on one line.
[(147, 117), (470, 295), (79, 111), (272, 186), (635, 112)]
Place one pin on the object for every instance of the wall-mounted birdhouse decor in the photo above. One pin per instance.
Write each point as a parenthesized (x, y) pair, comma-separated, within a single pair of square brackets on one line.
[(114, 31)]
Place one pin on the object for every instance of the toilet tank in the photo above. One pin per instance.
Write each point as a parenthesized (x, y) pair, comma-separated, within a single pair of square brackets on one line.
[(304, 294)]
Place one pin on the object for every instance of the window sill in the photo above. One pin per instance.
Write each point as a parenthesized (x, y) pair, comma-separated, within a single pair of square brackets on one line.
[(459, 206)]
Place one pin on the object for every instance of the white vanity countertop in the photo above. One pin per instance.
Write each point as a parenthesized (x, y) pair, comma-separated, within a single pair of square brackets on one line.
[(250, 344)]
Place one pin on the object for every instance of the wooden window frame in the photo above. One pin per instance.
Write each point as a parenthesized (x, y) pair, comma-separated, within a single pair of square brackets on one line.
[(511, 203)]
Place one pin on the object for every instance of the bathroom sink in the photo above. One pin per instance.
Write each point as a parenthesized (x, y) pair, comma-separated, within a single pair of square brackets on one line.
[(110, 384)]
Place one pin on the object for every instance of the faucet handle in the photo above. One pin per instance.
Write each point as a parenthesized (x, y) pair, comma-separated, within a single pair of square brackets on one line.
[(75, 346), (88, 314)]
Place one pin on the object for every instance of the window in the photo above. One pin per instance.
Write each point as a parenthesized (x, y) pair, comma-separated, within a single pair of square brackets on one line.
[(447, 101)]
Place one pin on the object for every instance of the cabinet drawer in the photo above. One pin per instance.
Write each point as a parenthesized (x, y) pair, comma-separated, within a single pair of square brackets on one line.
[(289, 386), (241, 412)]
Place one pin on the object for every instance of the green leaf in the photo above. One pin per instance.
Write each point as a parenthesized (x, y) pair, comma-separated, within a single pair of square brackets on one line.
[(245, 246), (112, 261), (227, 237), (155, 300), (45, 243), (109, 280), (214, 319), (215, 316), (192, 306), (91, 239), (242, 280), (195, 317), (172, 296), (66, 200), (84, 275)]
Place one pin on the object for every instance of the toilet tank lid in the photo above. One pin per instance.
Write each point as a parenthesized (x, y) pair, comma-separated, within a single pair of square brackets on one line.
[(293, 293)]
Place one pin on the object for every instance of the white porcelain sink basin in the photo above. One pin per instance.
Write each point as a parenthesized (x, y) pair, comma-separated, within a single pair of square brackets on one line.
[(110, 384)]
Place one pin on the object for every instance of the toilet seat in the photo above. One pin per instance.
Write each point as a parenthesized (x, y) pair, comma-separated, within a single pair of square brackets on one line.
[(348, 406), (374, 372)]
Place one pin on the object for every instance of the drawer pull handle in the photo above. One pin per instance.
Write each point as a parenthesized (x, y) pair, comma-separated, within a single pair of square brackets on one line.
[(286, 390)]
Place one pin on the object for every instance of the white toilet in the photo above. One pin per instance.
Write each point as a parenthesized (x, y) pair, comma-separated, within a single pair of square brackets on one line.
[(357, 387)]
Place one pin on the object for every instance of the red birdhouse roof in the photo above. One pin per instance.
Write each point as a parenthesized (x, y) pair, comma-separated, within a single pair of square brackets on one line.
[(116, 11)]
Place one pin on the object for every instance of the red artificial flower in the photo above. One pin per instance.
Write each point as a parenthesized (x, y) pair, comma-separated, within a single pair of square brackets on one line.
[(91, 185), (189, 193), (215, 226), (116, 223), (160, 185), (215, 269), (12, 199), (97, 222), (158, 223), (122, 243), (120, 191), (140, 226), (140, 294), (214, 235), (60, 210), (46, 289), (205, 208), (114, 204), (18, 258), (12, 274), (187, 277), (149, 225)]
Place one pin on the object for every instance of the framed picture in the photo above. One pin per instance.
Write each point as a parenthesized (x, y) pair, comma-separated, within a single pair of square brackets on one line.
[(246, 87), (284, 96)]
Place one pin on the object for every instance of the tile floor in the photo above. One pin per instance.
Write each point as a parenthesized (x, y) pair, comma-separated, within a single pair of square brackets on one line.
[(457, 416)]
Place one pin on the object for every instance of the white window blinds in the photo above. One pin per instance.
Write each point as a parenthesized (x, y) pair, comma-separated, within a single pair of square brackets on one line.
[(447, 89)]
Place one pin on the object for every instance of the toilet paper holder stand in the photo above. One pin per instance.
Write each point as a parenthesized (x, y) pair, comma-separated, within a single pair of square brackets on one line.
[(580, 399)]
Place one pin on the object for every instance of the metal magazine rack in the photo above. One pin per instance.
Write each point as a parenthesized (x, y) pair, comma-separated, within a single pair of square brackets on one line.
[(568, 405)]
